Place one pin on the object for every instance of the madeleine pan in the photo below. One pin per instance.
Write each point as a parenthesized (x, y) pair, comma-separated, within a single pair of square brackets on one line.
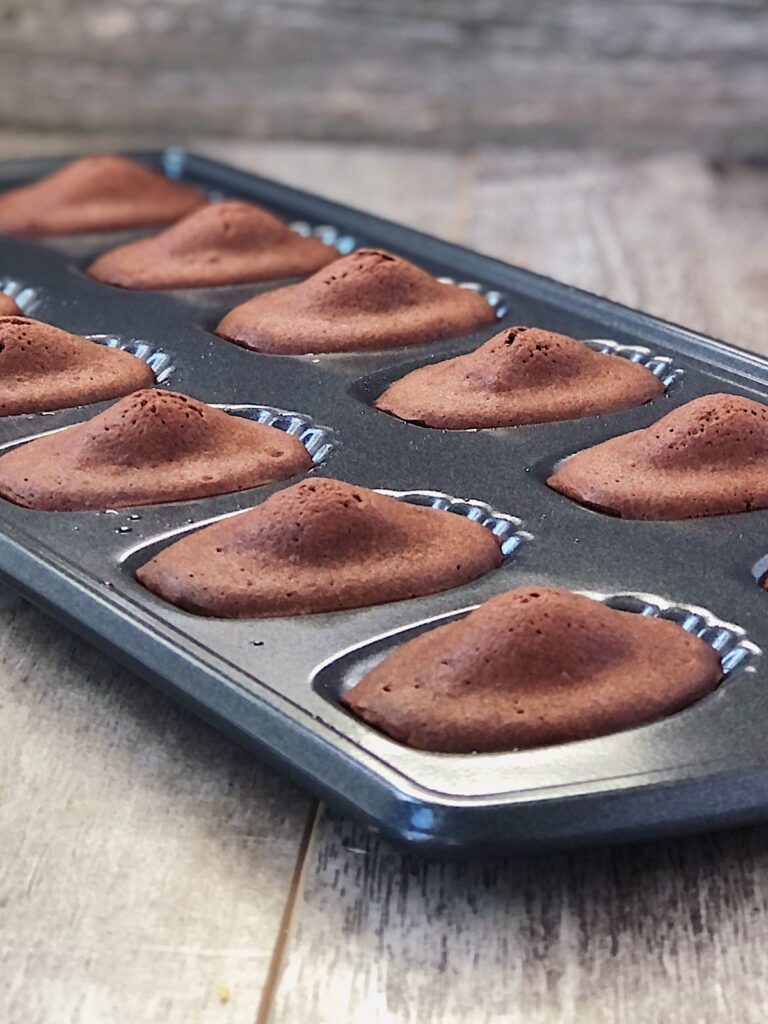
[(274, 684)]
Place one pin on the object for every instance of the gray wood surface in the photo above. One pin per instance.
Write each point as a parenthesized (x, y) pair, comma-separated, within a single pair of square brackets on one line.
[(673, 235), (669, 933), (589, 72), (146, 862)]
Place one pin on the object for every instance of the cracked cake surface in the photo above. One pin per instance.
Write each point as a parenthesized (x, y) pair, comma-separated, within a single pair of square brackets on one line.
[(370, 299), (43, 368), (96, 193), (707, 457), (532, 667), (321, 545), (151, 447), (521, 375), (220, 244)]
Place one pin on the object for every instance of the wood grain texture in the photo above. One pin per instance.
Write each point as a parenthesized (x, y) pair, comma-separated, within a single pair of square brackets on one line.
[(145, 861), (672, 235), (670, 933), (420, 187), (588, 72)]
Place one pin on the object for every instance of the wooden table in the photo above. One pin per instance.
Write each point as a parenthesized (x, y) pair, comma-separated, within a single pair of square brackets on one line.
[(152, 873)]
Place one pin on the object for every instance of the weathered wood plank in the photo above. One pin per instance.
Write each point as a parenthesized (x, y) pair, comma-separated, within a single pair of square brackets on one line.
[(415, 186), (670, 933), (666, 234), (640, 75), (145, 861)]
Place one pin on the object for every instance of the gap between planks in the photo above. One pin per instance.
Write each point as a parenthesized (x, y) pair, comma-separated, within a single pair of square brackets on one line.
[(290, 913), (457, 230)]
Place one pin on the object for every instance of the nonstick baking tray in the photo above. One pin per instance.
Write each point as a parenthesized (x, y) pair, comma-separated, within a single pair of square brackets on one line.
[(274, 684)]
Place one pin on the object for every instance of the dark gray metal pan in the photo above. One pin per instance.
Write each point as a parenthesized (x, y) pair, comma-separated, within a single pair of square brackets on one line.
[(274, 684)]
